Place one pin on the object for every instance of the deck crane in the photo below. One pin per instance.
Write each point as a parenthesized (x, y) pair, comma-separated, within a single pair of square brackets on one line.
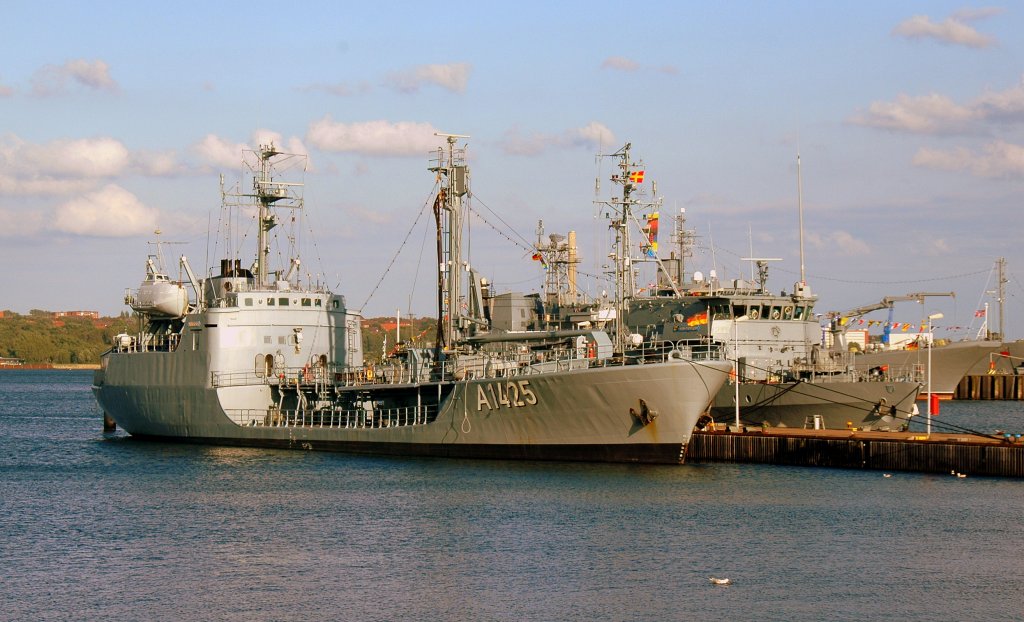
[(835, 317)]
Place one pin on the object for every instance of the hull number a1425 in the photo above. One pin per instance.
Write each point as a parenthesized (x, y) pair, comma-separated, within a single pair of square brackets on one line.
[(511, 394)]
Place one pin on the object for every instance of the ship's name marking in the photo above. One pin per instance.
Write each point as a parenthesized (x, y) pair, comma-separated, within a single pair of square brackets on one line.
[(510, 394)]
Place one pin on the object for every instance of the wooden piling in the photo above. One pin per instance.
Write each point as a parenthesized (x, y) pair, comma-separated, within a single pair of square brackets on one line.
[(887, 451)]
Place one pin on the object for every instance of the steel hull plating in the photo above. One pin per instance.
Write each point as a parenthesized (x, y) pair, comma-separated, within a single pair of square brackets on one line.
[(840, 405), (950, 363), (589, 414)]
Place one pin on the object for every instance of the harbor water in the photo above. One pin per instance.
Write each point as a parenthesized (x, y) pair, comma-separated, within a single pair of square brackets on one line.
[(104, 527)]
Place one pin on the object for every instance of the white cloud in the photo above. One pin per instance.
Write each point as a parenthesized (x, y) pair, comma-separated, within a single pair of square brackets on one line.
[(452, 77), (84, 157), (403, 138), (849, 245), (157, 163), (54, 79), (925, 114), (840, 242), (59, 167), (1005, 105), (938, 114), (293, 144), (621, 64), (997, 160), (219, 152), (110, 211), (594, 135), (224, 154), (951, 30)]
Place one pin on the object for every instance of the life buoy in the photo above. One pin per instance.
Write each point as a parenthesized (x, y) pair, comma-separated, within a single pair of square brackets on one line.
[(369, 373), (752, 314), (775, 314), (675, 355), (787, 313)]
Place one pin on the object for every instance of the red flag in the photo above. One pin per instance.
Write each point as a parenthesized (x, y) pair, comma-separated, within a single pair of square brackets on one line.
[(979, 313), (637, 177)]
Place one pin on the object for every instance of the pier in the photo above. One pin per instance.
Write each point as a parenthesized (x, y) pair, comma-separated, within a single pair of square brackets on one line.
[(990, 387), (881, 451)]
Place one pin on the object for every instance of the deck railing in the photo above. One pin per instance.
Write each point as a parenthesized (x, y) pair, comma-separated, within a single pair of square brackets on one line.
[(334, 418)]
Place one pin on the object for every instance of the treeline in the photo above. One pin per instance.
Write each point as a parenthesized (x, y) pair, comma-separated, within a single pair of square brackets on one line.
[(39, 337), (418, 331)]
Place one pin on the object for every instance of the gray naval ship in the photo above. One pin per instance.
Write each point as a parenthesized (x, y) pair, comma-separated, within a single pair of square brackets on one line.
[(939, 364), (252, 356), (785, 376)]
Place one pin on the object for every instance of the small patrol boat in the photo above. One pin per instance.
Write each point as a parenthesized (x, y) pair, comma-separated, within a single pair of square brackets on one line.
[(254, 356)]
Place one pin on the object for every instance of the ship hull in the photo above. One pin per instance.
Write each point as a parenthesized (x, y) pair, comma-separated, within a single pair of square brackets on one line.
[(590, 414), (949, 364), (866, 405)]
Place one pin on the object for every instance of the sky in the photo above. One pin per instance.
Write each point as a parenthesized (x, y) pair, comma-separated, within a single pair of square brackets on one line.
[(908, 117)]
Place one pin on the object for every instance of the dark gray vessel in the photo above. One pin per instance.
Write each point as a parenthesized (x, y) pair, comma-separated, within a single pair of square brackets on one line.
[(785, 376), (252, 356)]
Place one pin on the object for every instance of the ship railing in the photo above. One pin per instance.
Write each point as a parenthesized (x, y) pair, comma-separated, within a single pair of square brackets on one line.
[(146, 342), (457, 368), (334, 418)]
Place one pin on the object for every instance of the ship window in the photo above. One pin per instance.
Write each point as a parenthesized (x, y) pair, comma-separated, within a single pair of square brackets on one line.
[(283, 302), (270, 302), (195, 341), (281, 339), (334, 304), (260, 368), (739, 311), (248, 302), (776, 313), (268, 339), (798, 314), (306, 302), (319, 302)]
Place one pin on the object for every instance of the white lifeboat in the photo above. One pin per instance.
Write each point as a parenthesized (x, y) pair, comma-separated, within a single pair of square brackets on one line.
[(158, 296)]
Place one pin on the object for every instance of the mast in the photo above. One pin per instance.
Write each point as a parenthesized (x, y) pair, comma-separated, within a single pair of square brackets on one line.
[(625, 284), (800, 206), (268, 194), (630, 176), (453, 177), (1001, 262)]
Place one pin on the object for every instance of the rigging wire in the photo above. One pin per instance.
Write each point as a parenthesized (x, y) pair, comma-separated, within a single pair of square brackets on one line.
[(525, 243), (401, 246)]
